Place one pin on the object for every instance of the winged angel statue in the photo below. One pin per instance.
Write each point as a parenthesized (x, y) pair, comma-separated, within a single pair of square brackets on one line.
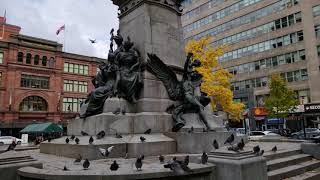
[(183, 91)]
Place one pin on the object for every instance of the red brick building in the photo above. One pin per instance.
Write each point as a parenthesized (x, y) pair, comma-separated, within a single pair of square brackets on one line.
[(38, 81)]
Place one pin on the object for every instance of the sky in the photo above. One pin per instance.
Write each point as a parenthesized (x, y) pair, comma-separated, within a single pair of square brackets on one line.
[(83, 19)]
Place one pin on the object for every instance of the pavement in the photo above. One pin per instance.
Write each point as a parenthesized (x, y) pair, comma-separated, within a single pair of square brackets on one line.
[(53, 162)]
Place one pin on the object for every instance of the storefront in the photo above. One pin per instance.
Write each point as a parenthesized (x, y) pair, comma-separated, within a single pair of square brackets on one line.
[(312, 115), (258, 119)]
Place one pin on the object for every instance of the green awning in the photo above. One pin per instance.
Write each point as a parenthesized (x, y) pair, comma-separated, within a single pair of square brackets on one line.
[(42, 128)]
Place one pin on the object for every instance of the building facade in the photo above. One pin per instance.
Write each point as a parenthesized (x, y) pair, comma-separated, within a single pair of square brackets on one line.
[(264, 37), (38, 81)]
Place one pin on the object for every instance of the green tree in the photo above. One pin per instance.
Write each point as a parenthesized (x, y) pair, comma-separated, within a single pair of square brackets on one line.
[(281, 100)]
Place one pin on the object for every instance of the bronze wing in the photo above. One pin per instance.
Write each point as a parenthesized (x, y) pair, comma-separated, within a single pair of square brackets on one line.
[(166, 75)]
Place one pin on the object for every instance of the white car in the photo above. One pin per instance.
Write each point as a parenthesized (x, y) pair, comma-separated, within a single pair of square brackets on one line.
[(9, 139), (256, 135)]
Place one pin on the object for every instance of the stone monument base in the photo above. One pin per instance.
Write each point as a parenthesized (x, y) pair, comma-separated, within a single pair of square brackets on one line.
[(199, 142), (239, 166), (129, 145)]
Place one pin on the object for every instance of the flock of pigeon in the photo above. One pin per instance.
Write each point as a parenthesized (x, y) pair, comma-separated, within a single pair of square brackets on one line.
[(175, 165)]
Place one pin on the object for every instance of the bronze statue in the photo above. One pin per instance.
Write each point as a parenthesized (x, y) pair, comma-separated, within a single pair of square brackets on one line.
[(119, 76), (183, 91)]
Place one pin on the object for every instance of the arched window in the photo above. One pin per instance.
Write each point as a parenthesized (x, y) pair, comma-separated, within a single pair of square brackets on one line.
[(33, 103), (44, 61), (28, 58), (20, 57), (36, 59), (51, 62)]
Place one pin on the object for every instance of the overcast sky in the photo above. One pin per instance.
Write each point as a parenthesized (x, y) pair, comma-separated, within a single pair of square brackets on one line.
[(83, 19)]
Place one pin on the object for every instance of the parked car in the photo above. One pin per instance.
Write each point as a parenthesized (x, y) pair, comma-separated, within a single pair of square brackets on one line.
[(256, 135), (9, 140), (310, 133), (240, 131)]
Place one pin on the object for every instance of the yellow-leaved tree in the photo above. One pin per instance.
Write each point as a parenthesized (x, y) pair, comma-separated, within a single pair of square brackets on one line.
[(216, 80)]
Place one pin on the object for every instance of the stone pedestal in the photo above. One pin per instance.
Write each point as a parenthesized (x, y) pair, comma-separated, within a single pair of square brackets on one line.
[(239, 166)]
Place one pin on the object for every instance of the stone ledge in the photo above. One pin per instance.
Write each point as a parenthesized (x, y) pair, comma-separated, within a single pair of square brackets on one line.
[(131, 145), (312, 149)]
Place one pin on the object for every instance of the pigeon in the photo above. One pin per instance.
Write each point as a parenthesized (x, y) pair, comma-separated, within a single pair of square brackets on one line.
[(161, 159), (92, 41), (241, 144), (204, 158), (90, 140), (114, 166), (65, 168), (77, 140), (274, 149), (118, 135), (186, 160), (204, 130), (72, 137), (147, 131), (230, 139), (49, 139), (142, 139), (117, 111), (84, 133), (105, 152), (123, 111), (86, 164), (101, 135), (215, 144), (179, 167), (12, 146), (78, 159), (256, 149), (139, 163), (261, 153), (67, 140), (234, 148), (191, 130)]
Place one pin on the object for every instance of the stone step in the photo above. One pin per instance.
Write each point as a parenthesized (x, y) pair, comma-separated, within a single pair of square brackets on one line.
[(310, 175), (287, 161), (293, 170), (269, 155), (131, 145)]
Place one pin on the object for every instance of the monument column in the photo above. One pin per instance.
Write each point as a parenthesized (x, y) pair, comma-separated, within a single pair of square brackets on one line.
[(154, 26)]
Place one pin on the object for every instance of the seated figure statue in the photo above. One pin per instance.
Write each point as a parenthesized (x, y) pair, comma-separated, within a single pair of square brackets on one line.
[(119, 76)]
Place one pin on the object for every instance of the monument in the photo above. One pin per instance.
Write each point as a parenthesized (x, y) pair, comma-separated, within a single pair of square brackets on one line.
[(147, 83)]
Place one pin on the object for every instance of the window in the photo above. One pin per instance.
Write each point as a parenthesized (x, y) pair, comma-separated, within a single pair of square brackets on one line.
[(36, 60), (1, 57), (31, 81), (304, 96), (290, 76), (51, 62), (75, 86), (316, 10), (72, 104), (33, 103), (298, 17), (317, 31), (76, 68), (300, 35), (44, 61), (304, 74), (28, 58), (20, 57), (302, 54)]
